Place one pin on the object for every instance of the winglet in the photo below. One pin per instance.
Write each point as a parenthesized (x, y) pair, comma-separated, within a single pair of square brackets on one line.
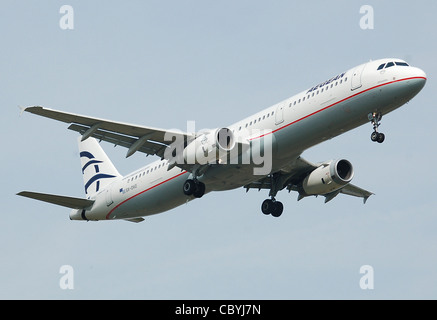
[(22, 109), (365, 199)]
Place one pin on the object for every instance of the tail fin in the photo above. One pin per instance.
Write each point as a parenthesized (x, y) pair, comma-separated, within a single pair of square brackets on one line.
[(98, 171)]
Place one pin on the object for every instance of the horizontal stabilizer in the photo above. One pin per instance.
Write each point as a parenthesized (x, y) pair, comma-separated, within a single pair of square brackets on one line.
[(69, 202)]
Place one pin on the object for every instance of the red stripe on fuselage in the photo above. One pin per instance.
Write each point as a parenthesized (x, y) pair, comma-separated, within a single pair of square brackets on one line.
[(178, 175), (340, 101), (307, 116)]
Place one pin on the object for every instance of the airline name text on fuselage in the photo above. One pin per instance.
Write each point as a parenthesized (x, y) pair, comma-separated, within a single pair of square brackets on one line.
[(327, 82)]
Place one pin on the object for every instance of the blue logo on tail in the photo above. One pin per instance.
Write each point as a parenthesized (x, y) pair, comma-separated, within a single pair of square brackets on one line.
[(98, 176)]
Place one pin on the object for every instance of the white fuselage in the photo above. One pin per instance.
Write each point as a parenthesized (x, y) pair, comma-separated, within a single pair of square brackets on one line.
[(295, 124)]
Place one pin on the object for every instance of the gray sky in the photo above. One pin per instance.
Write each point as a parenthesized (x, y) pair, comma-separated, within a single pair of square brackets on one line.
[(161, 63)]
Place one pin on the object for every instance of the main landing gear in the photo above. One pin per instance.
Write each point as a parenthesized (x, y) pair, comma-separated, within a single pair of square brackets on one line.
[(375, 119), (194, 187), (273, 207)]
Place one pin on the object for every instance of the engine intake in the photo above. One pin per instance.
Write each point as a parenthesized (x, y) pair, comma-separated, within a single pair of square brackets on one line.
[(328, 177), (211, 147), (225, 139)]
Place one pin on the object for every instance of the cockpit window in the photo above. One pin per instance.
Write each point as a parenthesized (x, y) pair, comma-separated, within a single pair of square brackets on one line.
[(390, 64)]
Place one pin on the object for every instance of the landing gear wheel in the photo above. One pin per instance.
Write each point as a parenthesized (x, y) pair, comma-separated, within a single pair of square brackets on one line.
[(279, 208), (195, 188), (377, 137), (200, 190), (381, 138), (275, 208), (189, 187), (267, 206)]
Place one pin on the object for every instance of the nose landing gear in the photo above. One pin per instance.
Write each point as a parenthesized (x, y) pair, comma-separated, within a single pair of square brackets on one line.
[(375, 119)]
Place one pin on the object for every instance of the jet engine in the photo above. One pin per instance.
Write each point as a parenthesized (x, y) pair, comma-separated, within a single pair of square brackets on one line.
[(328, 177), (211, 147)]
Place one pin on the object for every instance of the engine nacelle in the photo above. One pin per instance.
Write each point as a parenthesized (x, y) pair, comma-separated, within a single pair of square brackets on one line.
[(211, 147), (328, 177)]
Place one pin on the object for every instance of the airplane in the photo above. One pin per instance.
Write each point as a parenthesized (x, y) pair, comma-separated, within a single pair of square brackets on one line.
[(262, 151)]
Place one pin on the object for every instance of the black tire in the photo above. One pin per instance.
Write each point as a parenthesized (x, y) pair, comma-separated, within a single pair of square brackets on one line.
[(380, 138), (189, 187), (267, 206), (278, 209), (374, 136), (199, 190)]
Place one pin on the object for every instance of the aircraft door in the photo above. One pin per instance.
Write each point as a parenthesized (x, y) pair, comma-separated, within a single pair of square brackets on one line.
[(279, 114), (356, 77), (109, 200)]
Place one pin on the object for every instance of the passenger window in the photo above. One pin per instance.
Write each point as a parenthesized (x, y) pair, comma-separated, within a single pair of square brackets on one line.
[(299, 100), (303, 99), (381, 66), (390, 64)]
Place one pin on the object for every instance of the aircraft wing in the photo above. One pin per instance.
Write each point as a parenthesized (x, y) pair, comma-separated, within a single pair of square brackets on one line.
[(151, 141), (353, 190), (293, 177)]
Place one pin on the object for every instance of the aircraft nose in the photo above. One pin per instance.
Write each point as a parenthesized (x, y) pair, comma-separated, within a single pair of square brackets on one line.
[(419, 73), (417, 80)]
